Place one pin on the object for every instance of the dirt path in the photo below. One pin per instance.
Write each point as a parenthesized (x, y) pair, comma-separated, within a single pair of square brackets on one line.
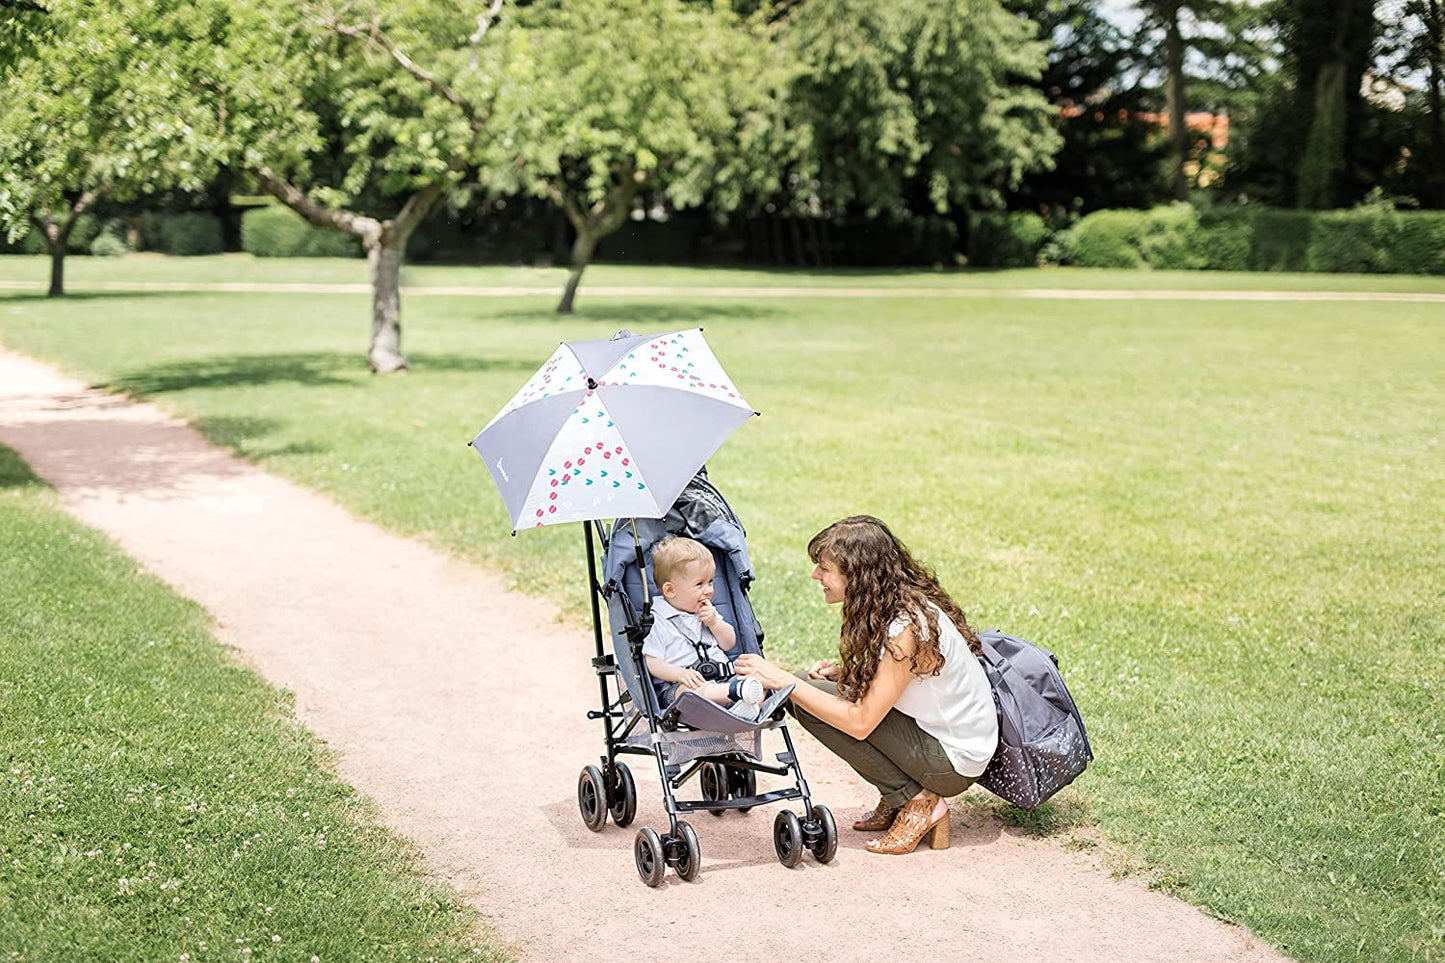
[(459, 708), (704, 292)]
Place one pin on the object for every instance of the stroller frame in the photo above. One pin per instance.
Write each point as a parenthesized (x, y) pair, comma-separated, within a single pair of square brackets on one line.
[(726, 780)]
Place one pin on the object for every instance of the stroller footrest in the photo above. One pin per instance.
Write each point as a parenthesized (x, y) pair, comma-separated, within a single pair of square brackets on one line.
[(742, 802)]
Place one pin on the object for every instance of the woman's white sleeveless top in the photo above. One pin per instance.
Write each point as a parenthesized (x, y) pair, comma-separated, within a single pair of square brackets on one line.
[(956, 706)]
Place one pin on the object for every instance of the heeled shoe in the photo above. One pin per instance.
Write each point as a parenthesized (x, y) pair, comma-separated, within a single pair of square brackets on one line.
[(914, 821), (877, 819)]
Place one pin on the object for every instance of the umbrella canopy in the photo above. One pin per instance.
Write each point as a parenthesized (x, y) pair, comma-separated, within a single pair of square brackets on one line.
[(610, 429)]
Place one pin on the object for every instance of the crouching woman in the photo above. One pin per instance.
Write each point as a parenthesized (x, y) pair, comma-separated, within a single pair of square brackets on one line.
[(906, 704)]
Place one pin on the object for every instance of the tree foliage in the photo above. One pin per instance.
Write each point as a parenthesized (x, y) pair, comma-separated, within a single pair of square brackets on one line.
[(917, 104), (610, 102)]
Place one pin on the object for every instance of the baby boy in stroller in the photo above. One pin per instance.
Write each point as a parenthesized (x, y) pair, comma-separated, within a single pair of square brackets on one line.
[(685, 649)]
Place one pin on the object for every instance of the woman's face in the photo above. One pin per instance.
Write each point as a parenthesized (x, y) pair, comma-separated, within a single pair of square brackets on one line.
[(834, 583)]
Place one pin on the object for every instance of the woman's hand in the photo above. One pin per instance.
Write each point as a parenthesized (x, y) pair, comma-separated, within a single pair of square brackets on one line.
[(757, 667), (825, 669)]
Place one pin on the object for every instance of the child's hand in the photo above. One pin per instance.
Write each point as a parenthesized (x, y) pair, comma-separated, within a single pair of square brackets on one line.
[(706, 614), (692, 679)]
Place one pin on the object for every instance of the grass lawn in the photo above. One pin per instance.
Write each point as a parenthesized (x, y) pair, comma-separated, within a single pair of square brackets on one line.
[(158, 801), (1227, 518)]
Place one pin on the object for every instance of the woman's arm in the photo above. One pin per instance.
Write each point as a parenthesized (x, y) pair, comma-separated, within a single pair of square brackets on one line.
[(857, 719)]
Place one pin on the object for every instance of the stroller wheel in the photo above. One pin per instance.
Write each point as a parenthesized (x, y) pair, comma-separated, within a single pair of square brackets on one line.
[(689, 857), (592, 798), (743, 783), (647, 853), (622, 800), (712, 779), (788, 838), (824, 846)]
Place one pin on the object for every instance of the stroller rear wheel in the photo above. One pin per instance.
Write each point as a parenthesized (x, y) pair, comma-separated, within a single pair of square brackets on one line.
[(689, 856), (713, 780), (788, 838), (822, 833), (592, 798), (647, 854), (742, 783), (622, 800)]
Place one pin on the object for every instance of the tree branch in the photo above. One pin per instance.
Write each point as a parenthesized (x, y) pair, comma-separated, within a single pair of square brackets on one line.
[(374, 35), (484, 23), (366, 228), (416, 207)]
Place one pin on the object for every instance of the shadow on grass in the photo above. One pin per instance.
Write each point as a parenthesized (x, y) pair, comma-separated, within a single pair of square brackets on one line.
[(14, 472), (645, 318), (37, 296), (314, 369)]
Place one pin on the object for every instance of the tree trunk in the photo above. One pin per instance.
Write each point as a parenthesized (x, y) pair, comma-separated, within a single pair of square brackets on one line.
[(385, 258), (1174, 97), (1324, 154), (1435, 28), (582, 250), (57, 267)]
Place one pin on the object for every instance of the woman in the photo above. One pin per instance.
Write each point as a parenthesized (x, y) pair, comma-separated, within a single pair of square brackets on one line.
[(907, 705)]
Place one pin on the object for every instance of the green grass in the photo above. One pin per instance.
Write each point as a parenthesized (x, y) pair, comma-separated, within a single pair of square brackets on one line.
[(1227, 519), (158, 801), (80, 271)]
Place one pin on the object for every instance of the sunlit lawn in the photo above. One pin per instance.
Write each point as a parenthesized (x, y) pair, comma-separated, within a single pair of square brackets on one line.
[(1226, 518), (157, 800)]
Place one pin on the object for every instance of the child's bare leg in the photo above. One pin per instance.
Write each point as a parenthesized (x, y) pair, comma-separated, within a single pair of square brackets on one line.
[(716, 692)]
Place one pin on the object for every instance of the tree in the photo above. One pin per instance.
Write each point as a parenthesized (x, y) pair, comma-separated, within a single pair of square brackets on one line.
[(1109, 157), (85, 114), (611, 101), (1331, 41), (1202, 44), (915, 105), (394, 103)]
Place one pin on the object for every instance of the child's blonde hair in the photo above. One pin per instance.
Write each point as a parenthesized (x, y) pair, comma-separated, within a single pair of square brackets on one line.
[(672, 554)]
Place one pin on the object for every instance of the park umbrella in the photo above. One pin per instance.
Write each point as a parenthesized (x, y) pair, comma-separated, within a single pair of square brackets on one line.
[(610, 429)]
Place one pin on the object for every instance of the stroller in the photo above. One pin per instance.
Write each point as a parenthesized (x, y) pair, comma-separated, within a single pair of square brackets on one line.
[(692, 736)]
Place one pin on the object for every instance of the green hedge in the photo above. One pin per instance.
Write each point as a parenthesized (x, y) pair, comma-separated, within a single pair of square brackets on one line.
[(1372, 240), (281, 232), (1006, 240), (188, 233)]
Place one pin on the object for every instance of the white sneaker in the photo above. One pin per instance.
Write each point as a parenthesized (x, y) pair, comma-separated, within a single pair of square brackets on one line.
[(747, 711), (751, 691)]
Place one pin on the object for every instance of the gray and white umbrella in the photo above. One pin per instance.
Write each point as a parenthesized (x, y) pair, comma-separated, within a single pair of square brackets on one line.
[(610, 429)]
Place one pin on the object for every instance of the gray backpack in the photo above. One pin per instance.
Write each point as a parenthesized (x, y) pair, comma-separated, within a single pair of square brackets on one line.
[(1042, 745)]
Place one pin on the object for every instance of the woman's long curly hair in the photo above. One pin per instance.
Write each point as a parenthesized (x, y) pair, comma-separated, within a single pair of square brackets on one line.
[(885, 584)]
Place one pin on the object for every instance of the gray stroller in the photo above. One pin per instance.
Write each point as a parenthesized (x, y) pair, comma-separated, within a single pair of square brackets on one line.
[(692, 736)]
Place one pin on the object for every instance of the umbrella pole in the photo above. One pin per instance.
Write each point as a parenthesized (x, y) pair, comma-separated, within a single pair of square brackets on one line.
[(594, 589)]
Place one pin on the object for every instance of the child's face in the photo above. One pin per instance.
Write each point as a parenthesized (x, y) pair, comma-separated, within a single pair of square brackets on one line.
[(691, 587)]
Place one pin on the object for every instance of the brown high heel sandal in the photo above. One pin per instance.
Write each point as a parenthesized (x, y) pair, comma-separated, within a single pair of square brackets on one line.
[(877, 819), (913, 823)]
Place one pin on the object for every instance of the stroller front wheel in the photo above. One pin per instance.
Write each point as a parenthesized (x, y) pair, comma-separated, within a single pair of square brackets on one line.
[(788, 838), (592, 798), (689, 855), (823, 834), (647, 854)]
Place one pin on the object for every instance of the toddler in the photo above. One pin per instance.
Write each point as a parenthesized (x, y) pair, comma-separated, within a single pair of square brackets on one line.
[(687, 630)]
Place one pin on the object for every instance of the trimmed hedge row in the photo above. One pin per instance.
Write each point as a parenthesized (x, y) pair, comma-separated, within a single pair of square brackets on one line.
[(1369, 240), (280, 232)]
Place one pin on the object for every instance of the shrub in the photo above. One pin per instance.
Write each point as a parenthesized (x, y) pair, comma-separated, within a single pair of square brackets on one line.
[(278, 231), (1279, 240), (1222, 242), (1419, 246), (1169, 241), (1006, 240), (188, 234), (1109, 239), (108, 245)]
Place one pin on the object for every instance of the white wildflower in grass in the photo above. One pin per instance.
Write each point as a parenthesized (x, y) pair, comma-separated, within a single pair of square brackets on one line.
[(275, 937)]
